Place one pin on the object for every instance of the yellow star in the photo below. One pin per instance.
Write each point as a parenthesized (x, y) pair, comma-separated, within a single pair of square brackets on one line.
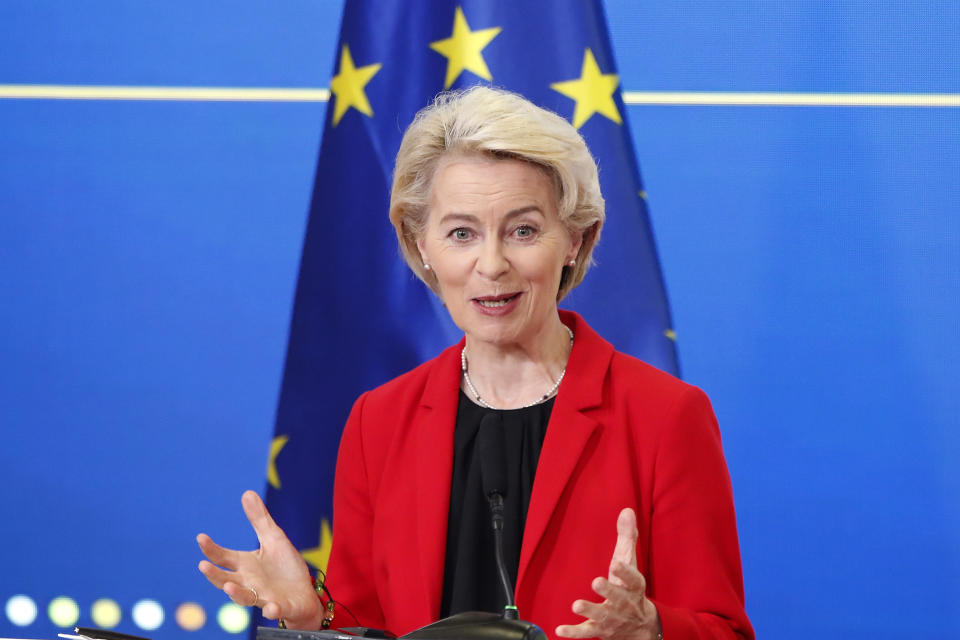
[(671, 334), (347, 86), (272, 476), (317, 557), (463, 49), (593, 92)]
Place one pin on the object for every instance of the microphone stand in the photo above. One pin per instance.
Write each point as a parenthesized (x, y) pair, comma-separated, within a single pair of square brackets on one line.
[(477, 625), (495, 500)]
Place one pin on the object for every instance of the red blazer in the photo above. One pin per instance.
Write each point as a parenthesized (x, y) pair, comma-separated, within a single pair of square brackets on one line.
[(621, 434)]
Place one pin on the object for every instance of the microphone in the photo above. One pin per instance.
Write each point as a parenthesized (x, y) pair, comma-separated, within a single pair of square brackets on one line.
[(477, 625), (493, 475)]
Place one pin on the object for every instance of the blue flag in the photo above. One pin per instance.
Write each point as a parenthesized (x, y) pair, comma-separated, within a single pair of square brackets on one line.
[(360, 316)]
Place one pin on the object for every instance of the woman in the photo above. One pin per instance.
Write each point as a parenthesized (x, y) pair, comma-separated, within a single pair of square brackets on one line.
[(497, 208)]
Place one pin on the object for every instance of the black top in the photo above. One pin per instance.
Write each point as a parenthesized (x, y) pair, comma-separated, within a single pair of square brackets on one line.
[(470, 579)]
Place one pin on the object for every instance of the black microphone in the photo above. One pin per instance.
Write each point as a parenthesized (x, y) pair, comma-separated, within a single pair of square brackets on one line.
[(493, 475), (477, 625)]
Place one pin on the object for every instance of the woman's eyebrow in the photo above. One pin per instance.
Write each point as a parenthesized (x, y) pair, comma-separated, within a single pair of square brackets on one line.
[(469, 217), (522, 210), (458, 217)]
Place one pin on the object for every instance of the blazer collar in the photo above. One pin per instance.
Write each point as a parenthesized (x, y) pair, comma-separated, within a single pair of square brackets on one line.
[(582, 386)]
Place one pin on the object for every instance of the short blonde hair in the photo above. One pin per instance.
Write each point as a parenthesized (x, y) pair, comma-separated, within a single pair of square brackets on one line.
[(499, 124)]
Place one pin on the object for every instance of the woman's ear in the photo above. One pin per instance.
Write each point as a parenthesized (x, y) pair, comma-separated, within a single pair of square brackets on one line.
[(423, 253), (576, 241)]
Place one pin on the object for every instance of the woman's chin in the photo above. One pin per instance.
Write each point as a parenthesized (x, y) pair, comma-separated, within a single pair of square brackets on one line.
[(492, 333), (500, 332)]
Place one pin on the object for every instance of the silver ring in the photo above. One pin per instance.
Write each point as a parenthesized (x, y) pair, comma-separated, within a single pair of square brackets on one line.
[(256, 597)]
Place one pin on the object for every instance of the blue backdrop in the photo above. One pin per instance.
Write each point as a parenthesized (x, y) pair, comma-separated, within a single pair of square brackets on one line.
[(149, 250)]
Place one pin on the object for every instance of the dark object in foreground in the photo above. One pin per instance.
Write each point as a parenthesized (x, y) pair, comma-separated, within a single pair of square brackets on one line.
[(478, 625), (473, 625), (104, 634)]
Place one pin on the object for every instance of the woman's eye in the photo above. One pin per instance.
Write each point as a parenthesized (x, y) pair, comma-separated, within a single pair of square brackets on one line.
[(524, 231), (461, 234)]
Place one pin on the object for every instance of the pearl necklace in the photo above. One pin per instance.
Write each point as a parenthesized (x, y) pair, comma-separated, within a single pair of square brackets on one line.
[(484, 403)]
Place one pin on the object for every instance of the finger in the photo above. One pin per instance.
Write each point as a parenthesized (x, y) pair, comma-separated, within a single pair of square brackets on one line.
[(241, 594), (615, 595), (629, 577), (586, 629), (590, 610), (626, 548), (271, 611), (216, 554), (263, 524), (215, 574)]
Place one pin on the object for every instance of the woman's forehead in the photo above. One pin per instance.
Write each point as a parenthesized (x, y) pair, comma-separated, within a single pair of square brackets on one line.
[(479, 181)]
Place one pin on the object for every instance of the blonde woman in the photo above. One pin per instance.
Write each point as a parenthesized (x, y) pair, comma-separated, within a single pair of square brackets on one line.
[(619, 519)]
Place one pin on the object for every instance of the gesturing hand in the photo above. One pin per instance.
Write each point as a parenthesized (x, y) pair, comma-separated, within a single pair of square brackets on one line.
[(625, 613), (274, 577)]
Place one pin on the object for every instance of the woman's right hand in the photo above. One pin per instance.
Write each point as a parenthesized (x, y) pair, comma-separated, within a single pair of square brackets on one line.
[(275, 575)]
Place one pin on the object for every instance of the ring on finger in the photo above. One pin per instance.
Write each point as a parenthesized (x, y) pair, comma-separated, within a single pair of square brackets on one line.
[(256, 597)]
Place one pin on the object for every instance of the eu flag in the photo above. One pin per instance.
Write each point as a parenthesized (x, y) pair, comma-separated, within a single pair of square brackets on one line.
[(360, 316)]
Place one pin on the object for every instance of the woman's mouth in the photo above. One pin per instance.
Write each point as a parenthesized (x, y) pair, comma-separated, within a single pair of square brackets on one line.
[(497, 304)]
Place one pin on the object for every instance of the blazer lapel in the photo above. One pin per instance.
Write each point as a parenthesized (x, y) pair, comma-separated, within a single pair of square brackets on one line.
[(568, 432), (437, 415), (558, 459)]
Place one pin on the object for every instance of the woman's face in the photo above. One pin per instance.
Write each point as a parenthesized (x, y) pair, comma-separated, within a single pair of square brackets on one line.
[(497, 246)]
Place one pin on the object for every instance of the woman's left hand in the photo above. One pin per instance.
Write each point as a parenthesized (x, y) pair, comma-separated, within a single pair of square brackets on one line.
[(625, 613)]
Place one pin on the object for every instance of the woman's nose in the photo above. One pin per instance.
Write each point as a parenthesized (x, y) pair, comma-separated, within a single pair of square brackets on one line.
[(492, 263)]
